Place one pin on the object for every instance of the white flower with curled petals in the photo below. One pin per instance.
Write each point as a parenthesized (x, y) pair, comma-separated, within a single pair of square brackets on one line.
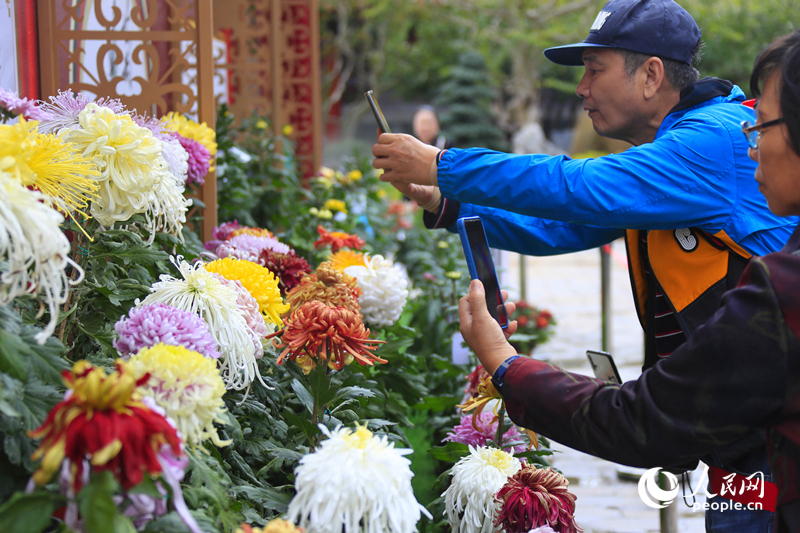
[(384, 290)]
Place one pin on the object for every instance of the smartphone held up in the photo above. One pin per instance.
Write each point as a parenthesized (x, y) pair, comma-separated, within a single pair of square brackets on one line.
[(481, 265), (376, 110)]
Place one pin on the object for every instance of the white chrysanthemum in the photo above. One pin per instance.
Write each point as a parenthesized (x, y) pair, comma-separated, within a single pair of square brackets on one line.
[(177, 158), (469, 499), (250, 310), (200, 292), (384, 292), (168, 206), (355, 482), (128, 157), (36, 250)]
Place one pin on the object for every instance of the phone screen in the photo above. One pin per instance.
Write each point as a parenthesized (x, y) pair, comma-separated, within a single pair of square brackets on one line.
[(479, 258), (603, 366)]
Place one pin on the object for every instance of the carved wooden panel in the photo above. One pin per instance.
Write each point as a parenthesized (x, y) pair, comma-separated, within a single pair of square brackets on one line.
[(154, 55), (273, 67)]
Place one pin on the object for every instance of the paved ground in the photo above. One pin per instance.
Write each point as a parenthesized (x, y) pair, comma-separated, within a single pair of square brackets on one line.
[(569, 286)]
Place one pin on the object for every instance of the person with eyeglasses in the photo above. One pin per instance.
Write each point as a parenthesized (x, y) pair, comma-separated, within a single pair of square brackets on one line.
[(738, 373), (683, 196)]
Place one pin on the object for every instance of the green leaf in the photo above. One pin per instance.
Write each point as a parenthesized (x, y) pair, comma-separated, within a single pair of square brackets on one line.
[(267, 497), (437, 403), (143, 255), (13, 355), (451, 452), (28, 513), (305, 425), (303, 395), (96, 503)]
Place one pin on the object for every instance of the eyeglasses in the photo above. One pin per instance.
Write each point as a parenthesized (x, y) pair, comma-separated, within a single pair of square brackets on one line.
[(753, 132)]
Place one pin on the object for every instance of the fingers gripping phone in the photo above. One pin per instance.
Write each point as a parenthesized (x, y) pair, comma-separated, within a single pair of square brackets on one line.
[(603, 366), (376, 110), (481, 266)]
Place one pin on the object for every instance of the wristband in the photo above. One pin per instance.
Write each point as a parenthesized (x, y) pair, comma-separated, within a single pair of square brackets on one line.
[(500, 373)]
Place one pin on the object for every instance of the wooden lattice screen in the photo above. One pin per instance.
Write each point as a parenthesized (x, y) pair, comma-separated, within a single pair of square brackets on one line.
[(273, 67), (154, 55)]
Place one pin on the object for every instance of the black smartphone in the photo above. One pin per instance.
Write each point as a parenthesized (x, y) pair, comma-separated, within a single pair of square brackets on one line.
[(481, 266), (376, 110), (603, 366)]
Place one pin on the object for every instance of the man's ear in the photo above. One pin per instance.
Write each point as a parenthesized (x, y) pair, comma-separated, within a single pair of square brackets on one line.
[(653, 72)]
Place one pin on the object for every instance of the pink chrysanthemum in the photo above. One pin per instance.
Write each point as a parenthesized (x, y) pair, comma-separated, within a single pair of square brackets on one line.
[(19, 106), (250, 247), (535, 497), (465, 433), (199, 160), (149, 325), (62, 111), (221, 233), (248, 306)]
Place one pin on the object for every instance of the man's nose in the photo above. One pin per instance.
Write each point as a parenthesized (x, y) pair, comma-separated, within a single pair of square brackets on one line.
[(582, 90)]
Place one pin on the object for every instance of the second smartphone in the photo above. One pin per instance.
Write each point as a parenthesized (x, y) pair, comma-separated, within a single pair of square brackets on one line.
[(481, 265)]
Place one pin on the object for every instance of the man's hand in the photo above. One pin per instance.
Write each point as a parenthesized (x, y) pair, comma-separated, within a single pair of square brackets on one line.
[(427, 197), (482, 332), (404, 159)]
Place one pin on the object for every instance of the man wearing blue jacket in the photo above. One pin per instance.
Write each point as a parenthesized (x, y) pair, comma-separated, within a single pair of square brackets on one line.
[(683, 196)]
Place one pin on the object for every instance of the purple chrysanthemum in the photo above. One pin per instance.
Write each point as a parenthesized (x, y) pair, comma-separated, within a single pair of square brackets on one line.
[(250, 247), (62, 111), (465, 433), (221, 234), (199, 160), (148, 325), (20, 106)]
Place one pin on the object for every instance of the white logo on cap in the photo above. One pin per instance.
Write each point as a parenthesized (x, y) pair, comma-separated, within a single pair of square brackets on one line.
[(600, 20)]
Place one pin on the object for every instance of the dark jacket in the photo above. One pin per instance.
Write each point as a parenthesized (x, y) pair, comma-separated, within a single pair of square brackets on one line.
[(739, 373)]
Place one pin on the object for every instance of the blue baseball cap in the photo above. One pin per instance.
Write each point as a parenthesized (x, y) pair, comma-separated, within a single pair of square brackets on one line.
[(655, 27)]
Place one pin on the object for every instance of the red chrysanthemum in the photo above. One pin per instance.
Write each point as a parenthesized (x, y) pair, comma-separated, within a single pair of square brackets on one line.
[(104, 421), (323, 333), (474, 379), (326, 285), (289, 268), (535, 497), (337, 240)]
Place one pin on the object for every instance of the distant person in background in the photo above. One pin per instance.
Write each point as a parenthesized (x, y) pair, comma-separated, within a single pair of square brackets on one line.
[(426, 128)]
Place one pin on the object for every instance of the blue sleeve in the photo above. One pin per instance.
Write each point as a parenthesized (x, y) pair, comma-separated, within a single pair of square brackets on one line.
[(686, 177), (536, 236)]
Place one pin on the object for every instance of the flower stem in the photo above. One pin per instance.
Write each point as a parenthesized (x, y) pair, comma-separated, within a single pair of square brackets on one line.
[(498, 438)]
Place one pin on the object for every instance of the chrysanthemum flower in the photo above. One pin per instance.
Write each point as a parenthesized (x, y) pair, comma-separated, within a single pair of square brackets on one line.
[(326, 285), (335, 205), (128, 157), (277, 525), (354, 175), (103, 419), (536, 497), (190, 129), (466, 433), (199, 160), (36, 250), (187, 385), (250, 247), (259, 281), (15, 105), (200, 292), (383, 290), (171, 150), (256, 232), (289, 268), (221, 233), (149, 325), (248, 307), (486, 394), (46, 163), (63, 110), (469, 500), (337, 240), (355, 482), (167, 206), (332, 334), (346, 258)]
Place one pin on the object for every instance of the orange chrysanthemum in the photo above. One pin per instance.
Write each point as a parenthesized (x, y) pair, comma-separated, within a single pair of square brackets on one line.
[(323, 333), (104, 421), (337, 240), (346, 258), (257, 232), (327, 285)]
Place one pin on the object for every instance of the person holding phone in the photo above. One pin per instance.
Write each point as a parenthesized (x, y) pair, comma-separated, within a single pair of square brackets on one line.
[(738, 373), (683, 196)]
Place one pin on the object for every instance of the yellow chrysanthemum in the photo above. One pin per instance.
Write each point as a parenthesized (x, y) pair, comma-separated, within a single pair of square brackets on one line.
[(48, 164), (278, 525), (346, 258), (192, 130), (259, 282), (354, 175), (288, 130), (256, 232), (187, 385), (335, 205), (261, 124)]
